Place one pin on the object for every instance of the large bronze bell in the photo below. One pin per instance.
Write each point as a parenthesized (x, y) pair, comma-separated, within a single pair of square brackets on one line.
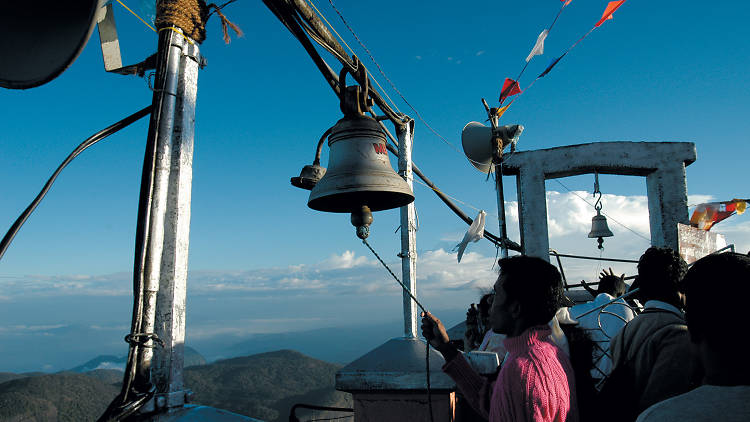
[(359, 173)]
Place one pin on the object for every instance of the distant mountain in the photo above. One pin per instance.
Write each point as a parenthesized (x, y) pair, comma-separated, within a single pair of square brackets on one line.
[(336, 344), (107, 376), (192, 357), (265, 386), (59, 397), (7, 376)]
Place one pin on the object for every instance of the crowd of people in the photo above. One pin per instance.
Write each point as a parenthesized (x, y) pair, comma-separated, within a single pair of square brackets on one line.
[(678, 356)]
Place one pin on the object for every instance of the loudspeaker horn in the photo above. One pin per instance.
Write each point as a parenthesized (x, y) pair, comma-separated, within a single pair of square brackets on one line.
[(476, 140), (480, 142), (40, 39)]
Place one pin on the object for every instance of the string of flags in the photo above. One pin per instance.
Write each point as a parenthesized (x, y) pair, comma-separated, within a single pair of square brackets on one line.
[(707, 215), (511, 87)]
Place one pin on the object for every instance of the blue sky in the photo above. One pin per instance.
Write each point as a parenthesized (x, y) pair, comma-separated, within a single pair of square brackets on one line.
[(665, 71)]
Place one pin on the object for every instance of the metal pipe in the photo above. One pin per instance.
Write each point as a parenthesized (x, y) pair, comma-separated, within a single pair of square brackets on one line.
[(172, 295), (166, 91), (595, 258), (501, 207), (405, 133), (559, 264)]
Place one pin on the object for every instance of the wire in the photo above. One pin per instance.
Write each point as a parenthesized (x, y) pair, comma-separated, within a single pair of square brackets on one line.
[(93, 139), (352, 52), (456, 199), (136, 15), (607, 215)]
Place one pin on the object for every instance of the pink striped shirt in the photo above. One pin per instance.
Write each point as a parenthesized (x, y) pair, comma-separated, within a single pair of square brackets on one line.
[(536, 382)]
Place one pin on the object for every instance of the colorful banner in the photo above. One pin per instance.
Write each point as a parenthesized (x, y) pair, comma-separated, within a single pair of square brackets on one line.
[(706, 215)]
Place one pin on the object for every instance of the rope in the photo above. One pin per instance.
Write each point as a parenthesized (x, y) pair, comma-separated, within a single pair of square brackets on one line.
[(427, 343), (188, 15), (406, 289), (225, 22)]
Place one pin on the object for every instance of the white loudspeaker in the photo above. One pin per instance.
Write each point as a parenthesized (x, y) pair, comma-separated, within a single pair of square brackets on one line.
[(39, 39), (476, 139)]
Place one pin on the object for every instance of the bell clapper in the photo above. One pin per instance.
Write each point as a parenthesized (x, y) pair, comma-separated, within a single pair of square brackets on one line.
[(361, 219)]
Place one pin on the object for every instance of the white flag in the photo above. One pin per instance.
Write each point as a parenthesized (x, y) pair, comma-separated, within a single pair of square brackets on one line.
[(476, 232), (538, 49)]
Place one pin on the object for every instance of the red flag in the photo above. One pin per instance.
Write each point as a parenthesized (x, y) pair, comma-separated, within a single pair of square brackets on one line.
[(510, 87), (611, 7)]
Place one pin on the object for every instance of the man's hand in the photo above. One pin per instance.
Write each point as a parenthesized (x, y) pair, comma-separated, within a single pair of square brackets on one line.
[(611, 273), (588, 288), (434, 331)]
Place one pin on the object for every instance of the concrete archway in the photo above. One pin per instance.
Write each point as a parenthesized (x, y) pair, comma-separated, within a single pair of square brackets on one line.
[(662, 163)]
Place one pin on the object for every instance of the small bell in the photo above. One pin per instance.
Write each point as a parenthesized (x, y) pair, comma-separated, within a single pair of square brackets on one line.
[(309, 176), (599, 228)]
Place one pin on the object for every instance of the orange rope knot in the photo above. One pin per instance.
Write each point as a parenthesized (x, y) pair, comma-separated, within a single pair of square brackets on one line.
[(225, 22)]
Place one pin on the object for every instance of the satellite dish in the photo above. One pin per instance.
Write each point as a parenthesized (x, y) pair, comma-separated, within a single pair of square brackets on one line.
[(476, 139), (39, 41)]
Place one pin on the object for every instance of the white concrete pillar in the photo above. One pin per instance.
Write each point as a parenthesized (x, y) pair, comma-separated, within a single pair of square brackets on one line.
[(532, 212), (667, 204)]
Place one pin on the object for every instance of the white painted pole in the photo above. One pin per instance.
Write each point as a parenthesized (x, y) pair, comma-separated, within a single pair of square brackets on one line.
[(405, 134)]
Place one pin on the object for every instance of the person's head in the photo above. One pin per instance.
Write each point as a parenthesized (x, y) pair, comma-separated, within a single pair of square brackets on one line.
[(660, 273), (717, 289), (612, 285), (485, 302), (527, 293)]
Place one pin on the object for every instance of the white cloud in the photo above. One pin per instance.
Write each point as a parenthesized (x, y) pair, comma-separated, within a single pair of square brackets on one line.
[(440, 277), (345, 260)]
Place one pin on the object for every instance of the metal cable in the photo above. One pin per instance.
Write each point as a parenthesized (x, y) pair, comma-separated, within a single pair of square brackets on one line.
[(607, 215), (93, 139)]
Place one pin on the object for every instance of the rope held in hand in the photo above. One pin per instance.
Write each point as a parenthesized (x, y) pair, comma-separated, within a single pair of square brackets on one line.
[(427, 342)]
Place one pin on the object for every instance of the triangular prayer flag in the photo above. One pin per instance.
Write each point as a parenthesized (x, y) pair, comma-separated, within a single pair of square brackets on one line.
[(500, 111), (552, 64), (510, 87), (538, 49), (611, 7)]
